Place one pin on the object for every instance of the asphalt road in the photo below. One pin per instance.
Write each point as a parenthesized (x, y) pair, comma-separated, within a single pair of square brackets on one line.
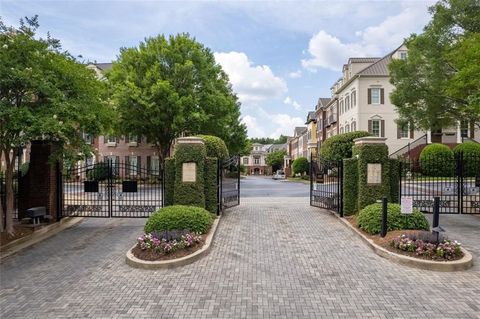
[(258, 186)]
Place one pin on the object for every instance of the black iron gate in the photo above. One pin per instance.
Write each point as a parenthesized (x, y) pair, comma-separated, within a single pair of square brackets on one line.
[(112, 189), (326, 183), (456, 181), (228, 183)]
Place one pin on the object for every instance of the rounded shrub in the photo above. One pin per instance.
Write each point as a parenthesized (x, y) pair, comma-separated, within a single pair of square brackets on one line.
[(300, 165), (215, 147), (370, 219), (99, 172), (179, 218), (338, 147), (470, 153), (437, 160)]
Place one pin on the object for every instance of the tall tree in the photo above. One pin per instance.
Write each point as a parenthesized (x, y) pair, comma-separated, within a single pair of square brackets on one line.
[(434, 86), (44, 94), (275, 159), (166, 87)]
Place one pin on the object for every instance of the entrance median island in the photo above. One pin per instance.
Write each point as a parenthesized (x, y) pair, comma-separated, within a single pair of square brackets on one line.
[(174, 236)]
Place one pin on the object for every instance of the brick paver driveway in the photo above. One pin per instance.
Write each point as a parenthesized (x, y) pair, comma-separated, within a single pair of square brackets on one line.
[(272, 258)]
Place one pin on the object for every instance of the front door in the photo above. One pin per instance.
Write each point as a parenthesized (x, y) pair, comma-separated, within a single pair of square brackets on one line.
[(437, 136)]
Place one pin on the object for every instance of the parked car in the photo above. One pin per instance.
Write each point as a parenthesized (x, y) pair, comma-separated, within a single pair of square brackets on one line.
[(279, 175)]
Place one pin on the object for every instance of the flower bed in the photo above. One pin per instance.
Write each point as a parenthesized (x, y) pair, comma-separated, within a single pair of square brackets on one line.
[(167, 245), (424, 246)]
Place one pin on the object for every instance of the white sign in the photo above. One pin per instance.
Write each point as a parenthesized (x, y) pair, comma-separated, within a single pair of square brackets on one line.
[(407, 205), (374, 173), (189, 172)]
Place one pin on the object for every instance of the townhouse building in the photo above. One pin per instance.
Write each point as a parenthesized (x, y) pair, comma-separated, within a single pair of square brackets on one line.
[(311, 135), (256, 162), (297, 147)]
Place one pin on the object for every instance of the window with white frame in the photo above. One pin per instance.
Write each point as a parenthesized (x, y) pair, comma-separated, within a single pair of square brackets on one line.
[(342, 110), (375, 95), (111, 139), (341, 130), (155, 165), (132, 165), (347, 128), (403, 55), (256, 160), (376, 128), (405, 131), (354, 98), (245, 161), (347, 103), (353, 126)]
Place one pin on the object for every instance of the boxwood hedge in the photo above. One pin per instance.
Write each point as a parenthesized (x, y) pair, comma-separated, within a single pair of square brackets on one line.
[(470, 153), (215, 147), (370, 219), (338, 147), (211, 184), (437, 160), (180, 218)]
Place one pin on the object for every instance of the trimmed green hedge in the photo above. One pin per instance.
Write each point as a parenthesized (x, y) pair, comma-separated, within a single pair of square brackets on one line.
[(215, 147), (370, 219), (179, 217), (169, 180), (190, 193), (211, 184), (470, 153), (338, 147), (99, 172), (394, 171), (437, 160), (350, 186)]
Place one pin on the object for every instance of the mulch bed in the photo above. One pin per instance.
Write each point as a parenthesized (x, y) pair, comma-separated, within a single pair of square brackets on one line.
[(19, 232), (385, 242), (151, 255)]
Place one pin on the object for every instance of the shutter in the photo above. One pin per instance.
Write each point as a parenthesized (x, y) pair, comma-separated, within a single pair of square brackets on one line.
[(382, 125), (399, 131), (149, 163), (382, 96), (127, 165), (412, 131), (139, 164), (472, 130), (369, 96), (370, 126)]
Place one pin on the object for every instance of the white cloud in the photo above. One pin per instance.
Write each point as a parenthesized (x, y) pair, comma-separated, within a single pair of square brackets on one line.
[(252, 126), (251, 83), (289, 101), (329, 52), (285, 124), (295, 75)]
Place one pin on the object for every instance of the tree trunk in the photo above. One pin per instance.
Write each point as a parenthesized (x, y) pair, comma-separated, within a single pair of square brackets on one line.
[(10, 163)]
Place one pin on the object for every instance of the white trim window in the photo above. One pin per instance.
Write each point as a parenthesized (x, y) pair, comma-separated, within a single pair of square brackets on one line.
[(347, 103), (256, 160), (376, 127), (155, 165), (347, 128), (133, 164), (353, 126), (245, 161), (354, 98), (405, 131), (375, 95)]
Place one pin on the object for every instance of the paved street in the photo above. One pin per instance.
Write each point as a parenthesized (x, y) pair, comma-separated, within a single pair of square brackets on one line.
[(272, 257), (259, 186)]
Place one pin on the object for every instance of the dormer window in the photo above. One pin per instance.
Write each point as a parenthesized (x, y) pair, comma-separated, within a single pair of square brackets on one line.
[(403, 55)]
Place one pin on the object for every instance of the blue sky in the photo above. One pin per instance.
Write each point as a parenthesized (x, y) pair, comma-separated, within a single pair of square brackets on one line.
[(281, 56)]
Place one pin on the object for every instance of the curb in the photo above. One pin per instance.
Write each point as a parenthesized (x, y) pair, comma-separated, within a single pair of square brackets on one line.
[(37, 236), (135, 262), (464, 263)]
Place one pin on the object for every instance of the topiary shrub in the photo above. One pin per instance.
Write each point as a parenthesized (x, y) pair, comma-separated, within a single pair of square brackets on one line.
[(470, 153), (179, 218), (211, 184), (370, 219), (215, 147), (300, 165), (338, 147), (437, 160), (350, 186)]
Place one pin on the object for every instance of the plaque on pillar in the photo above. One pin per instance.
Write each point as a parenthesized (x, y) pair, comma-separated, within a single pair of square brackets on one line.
[(374, 174), (189, 172)]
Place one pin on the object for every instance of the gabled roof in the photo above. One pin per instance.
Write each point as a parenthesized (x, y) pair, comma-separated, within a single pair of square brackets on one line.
[(323, 101), (379, 68), (104, 66), (310, 117), (363, 60), (299, 130)]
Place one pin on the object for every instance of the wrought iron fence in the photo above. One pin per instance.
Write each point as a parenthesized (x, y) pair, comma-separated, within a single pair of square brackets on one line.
[(326, 183)]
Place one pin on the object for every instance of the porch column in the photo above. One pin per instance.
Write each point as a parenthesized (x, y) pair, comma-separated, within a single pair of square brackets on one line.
[(459, 132), (429, 136)]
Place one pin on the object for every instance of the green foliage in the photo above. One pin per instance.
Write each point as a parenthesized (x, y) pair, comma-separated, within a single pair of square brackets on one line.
[(215, 147), (211, 184), (275, 159), (300, 166), (370, 219), (169, 180), (99, 172), (189, 193), (24, 168), (350, 186), (167, 86), (437, 160), (437, 85), (269, 140), (394, 170), (338, 147), (470, 153), (372, 153), (179, 218)]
